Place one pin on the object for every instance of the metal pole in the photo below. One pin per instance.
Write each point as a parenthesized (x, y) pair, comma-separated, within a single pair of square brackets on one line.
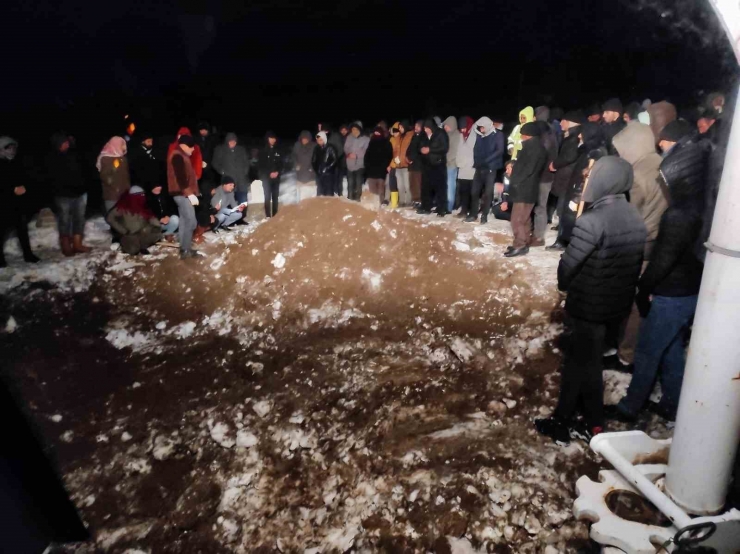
[(707, 430)]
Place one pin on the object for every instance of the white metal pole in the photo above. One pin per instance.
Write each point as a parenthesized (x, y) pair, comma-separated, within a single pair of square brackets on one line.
[(707, 431)]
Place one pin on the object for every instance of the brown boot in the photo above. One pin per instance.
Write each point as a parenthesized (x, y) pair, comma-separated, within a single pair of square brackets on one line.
[(77, 245), (66, 244), (198, 234)]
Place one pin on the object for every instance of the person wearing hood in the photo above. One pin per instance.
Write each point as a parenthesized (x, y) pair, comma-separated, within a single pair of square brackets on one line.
[(563, 165), (354, 150), (224, 205), (515, 138), (303, 163), (114, 174), (433, 151), (196, 160), (612, 122), (708, 126), (667, 295), (231, 158), (70, 194), (207, 144), (13, 200), (453, 138), (488, 158), (145, 170), (594, 113), (636, 144), (182, 185), (466, 163), (524, 188), (335, 139), (138, 227), (378, 158), (270, 170), (325, 159), (660, 114), (599, 272), (550, 144), (632, 113), (413, 158)]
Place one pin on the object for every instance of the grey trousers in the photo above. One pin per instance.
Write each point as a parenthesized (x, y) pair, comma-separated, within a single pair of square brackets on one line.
[(540, 211), (188, 223)]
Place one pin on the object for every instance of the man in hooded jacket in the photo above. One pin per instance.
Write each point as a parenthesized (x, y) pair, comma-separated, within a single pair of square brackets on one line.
[(453, 139), (599, 272), (230, 158), (515, 138), (303, 162), (355, 147), (325, 160), (466, 163), (488, 158), (433, 151)]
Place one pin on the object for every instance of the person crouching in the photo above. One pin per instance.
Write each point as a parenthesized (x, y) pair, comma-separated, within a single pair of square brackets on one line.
[(223, 202), (138, 227)]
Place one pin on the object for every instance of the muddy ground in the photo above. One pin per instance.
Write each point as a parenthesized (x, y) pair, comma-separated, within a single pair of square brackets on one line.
[(317, 383)]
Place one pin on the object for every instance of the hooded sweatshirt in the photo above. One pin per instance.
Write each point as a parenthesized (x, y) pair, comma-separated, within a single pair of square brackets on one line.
[(488, 151), (454, 138), (233, 162), (466, 150), (358, 147), (303, 158), (602, 264), (515, 138), (661, 114), (636, 145)]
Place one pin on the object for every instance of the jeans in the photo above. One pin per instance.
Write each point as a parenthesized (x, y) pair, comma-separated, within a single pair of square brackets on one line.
[(451, 187), (661, 344), (17, 219), (355, 180), (241, 196), (582, 377), (404, 186), (483, 182), (540, 211), (172, 225), (434, 187), (271, 188), (71, 215), (227, 216), (188, 222)]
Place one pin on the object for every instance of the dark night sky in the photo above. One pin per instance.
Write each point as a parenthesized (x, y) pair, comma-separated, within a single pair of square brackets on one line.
[(285, 64)]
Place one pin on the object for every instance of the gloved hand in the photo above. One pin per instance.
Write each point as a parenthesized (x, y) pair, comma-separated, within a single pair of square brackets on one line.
[(643, 304)]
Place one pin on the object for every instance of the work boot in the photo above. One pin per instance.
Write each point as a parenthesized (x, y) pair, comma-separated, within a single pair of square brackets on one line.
[(394, 200), (557, 246), (29, 258), (66, 244), (77, 245), (484, 220), (198, 234), (555, 428), (471, 219), (523, 251)]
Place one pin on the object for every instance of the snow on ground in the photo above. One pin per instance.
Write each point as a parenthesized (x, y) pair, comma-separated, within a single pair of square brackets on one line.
[(275, 395)]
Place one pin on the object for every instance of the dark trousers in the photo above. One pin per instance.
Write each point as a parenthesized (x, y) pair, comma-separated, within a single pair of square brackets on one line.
[(355, 179), (15, 219), (415, 178), (434, 188), (325, 184), (464, 190), (498, 213), (483, 183), (338, 181), (521, 223), (393, 181), (271, 188), (582, 378)]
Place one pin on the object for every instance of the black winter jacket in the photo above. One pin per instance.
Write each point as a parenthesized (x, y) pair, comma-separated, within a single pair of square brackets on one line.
[(601, 266), (438, 145), (12, 175), (674, 269), (325, 160), (378, 157), (564, 162), (610, 130), (161, 204), (687, 161), (525, 178), (550, 143), (413, 153), (489, 150), (65, 174), (146, 171), (270, 161)]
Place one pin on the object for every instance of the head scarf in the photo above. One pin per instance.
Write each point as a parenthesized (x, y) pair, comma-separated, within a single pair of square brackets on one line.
[(114, 148), (322, 136), (133, 202)]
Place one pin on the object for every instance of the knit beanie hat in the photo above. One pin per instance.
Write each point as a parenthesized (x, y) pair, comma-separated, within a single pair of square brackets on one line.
[(531, 129), (613, 105), (675, 130), (187, 140), (430, 124), (574, 116), (226, 180)]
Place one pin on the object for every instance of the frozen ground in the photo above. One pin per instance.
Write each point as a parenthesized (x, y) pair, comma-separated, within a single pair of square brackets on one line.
[(331, 380)]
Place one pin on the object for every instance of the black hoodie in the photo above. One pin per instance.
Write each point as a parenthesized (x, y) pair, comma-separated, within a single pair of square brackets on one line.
[(270, 161), (601, 266)]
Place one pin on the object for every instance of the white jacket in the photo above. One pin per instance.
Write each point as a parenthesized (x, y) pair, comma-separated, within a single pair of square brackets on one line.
[(465, 156)]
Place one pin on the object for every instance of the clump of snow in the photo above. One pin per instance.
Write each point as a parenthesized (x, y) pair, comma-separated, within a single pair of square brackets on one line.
[(245, 439), (278, 261), (462, 349), (121, 338), (375, 280), (262, 408), (219, 433), (56, 418), (184, 330)]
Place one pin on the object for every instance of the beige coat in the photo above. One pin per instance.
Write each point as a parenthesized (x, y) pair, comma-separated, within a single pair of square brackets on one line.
[(636, 144)]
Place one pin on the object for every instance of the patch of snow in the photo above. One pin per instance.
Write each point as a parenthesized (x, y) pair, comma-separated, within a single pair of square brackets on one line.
[(374, 279), (121, 338), (262, 408), (279, 261), (219, 433)]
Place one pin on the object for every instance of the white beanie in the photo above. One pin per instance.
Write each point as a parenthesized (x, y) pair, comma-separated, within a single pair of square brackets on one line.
[(322, 136)]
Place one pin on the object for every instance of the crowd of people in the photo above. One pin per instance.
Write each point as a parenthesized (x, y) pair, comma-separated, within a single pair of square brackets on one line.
[(630, 187)]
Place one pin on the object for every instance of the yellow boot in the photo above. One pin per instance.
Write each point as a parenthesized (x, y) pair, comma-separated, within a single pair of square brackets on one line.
[(394, 200)]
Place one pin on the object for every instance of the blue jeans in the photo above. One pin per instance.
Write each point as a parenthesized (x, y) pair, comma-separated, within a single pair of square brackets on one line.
[(71, 215), (451, 187), (241, 196), (188, 223), (227, 216), (661, 344), (171, 227)]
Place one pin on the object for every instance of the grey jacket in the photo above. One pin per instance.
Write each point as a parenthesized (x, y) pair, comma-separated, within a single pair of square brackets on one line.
[(234, 163), (356, 146), (303, 158), (454, 137), (226, 199)]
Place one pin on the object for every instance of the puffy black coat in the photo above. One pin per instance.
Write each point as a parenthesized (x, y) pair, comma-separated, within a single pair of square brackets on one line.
[(438, 145), (525, 178), (601, 266), (325, 160), (378, 157), (687, 161), (565, 161), (270, 161)]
